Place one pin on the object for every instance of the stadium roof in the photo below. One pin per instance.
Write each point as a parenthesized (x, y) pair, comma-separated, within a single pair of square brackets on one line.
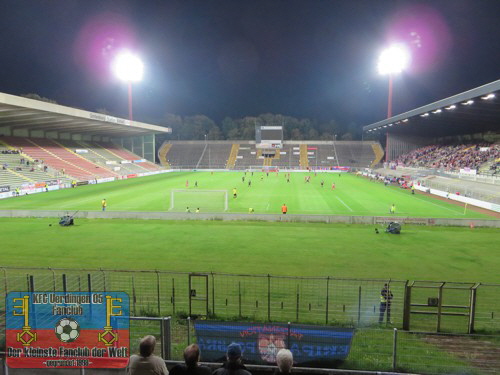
[(18, 113), (473, 111)]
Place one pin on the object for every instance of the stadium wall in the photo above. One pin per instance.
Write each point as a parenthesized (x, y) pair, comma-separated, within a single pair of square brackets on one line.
[(366, 220)]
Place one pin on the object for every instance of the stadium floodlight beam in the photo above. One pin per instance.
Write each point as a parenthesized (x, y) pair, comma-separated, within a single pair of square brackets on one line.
[(393, 60), (129, 68)]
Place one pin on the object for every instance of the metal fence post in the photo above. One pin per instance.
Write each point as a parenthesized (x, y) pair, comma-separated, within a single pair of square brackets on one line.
[(5, 280), (472, 307), (89, 286), (173, 295), (239, 299), (288, 336), (213, 294), (188, 330), (32, 283), (158, 292), (297, 305), (134, 298), (440, 307), (359, 304), (53, 279), (104, 279), (327, 297), (394, 349), (268, 297), (64, 282), (407, 306), (167, 338)]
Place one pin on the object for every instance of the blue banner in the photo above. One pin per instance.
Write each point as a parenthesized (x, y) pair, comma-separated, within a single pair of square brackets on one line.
[(310, 345)]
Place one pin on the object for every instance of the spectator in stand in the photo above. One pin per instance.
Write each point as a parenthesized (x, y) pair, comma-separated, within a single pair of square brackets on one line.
[(191, 366), (233, 365), (146, 362), (284, 360), (451, 158)]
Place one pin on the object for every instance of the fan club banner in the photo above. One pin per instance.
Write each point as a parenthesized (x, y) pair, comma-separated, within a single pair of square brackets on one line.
[(261, 342), (67, 329)]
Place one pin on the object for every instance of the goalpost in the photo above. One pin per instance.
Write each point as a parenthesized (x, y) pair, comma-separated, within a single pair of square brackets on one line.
[(205, 200)]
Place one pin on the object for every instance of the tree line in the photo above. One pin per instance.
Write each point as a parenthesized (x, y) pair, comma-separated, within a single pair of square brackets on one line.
[(201, 127)]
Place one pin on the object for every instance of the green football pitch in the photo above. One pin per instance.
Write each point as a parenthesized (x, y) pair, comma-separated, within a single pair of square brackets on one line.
[(253, 247), (353, 195)]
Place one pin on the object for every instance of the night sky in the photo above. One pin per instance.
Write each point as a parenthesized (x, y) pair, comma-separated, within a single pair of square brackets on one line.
[(311, 58)]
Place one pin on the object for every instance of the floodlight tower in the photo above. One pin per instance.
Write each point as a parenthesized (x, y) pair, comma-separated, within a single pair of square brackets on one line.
[(393, 60), (129, 68)]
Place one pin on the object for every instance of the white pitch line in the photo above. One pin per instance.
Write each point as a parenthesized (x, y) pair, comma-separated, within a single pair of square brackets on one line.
[(435, 204), (341, 201)]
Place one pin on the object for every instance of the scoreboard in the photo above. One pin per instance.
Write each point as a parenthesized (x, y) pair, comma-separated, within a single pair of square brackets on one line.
[(269, 136)]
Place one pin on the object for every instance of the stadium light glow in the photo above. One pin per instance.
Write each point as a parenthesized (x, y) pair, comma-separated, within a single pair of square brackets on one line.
[(424, 115), (488, 97), (390, 124), (437, 111), (128, 67), (394, 59), (405, 120), (468, 102), (453, 106)]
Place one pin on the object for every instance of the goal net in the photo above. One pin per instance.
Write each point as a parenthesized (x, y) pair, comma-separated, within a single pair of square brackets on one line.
[(205, 200)]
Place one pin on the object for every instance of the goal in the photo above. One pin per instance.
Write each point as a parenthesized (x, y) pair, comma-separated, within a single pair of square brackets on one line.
[(205, 200)]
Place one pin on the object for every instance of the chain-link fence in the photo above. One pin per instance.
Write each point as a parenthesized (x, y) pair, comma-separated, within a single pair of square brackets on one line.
[(353, 303)]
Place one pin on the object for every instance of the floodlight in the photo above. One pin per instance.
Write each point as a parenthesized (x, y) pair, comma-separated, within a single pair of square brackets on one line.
[(453, 106), (424, 115), (405, 120), (394, 59), (488, 97), (468, 102), (128, 67), (437, 111)]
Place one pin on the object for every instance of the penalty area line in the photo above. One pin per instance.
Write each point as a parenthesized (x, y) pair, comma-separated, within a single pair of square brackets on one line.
[(341, 201)]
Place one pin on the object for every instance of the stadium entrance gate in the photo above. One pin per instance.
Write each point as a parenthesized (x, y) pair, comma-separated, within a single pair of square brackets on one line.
[(198, 295), (440, 306)]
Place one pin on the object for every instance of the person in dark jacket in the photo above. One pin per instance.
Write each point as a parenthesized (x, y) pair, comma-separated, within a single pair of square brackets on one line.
[(233, 366), (191, 358)]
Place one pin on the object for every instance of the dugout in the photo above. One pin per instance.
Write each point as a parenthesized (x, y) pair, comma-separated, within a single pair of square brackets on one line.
[(464, 117), (29, 118)]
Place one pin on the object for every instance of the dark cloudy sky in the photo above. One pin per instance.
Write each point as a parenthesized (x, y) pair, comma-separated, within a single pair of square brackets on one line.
[(309, 58)]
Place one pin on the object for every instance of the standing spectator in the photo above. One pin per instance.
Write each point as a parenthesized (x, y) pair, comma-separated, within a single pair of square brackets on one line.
[(104, 204), (191, 358), (385, 303), (284, 360), (233, 366), (146, 362), (284, 209)]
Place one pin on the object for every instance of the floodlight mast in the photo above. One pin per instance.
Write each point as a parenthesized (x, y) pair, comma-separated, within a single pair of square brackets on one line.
[(393, 60), (128, 68)]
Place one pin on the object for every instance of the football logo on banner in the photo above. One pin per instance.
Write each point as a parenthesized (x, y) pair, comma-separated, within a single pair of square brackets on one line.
[(67, 330)]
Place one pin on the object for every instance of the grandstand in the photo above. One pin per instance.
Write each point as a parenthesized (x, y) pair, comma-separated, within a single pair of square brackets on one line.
[(44, 144), (318, 155), (445, 143)]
